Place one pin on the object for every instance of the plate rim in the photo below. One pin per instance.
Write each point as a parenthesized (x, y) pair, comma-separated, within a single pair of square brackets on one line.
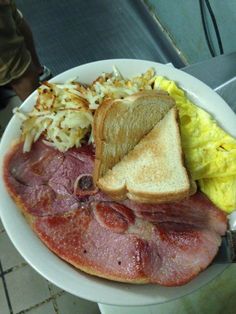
[(116, 287)]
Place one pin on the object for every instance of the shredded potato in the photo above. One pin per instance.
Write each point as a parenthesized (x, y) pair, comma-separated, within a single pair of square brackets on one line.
[(63, 113)]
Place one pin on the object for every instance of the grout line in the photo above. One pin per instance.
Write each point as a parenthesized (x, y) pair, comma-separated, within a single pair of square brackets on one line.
[(9, 270), (54, 301), (5, 289), (55, 305), (43, 302)]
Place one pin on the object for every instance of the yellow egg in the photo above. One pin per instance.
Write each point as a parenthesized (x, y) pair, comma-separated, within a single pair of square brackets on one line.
[(221, 191), (210, 153)]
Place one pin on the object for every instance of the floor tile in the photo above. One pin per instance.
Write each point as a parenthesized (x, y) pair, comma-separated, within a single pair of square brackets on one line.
[(53, 289), (8, 254), (26, 288), (45, 308), (4, 309), (1, 226), (69, 304)]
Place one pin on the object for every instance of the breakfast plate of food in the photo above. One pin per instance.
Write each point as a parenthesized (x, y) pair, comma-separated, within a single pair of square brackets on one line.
[(117, 178)]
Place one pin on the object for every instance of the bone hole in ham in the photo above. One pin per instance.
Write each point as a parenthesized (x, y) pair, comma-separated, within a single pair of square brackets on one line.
[(113, 216), (83, 185)]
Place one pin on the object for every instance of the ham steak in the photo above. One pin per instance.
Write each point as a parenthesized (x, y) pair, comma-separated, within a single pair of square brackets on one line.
[(168, 244)]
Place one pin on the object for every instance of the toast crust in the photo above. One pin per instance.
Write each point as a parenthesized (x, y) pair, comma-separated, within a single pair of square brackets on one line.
[(120, 187), (110, 112)]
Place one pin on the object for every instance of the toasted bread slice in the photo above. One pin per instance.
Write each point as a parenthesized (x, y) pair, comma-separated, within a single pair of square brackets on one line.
[(120, 124), (153, 172)]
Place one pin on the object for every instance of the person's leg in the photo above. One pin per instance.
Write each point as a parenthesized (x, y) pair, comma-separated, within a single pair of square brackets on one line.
[(20, 67), (43, 72), (17, 68), (27, 83), (29, 42)]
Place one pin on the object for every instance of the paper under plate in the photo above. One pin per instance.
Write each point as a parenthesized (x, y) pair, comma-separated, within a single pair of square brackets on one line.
[(53, 268)]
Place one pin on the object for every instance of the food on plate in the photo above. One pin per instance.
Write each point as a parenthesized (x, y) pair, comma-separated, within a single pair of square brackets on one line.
[(168, 244), (49, 174), (152, 172), (221, 190), (119, 124), (60, 114), (210, 153), (75, 103), (64, 112)]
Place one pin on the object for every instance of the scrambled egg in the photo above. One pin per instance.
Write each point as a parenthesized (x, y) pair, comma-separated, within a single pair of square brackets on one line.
[(64, 115), (210, 153)]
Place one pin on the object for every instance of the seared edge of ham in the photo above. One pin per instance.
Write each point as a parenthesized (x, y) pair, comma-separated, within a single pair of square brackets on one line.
[(125, 241)]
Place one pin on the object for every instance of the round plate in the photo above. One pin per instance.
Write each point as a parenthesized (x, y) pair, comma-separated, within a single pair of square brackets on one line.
[(48, 264)]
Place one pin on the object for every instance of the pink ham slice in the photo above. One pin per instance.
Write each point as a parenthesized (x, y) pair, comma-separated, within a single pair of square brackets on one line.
[(114, 217), (167, 244), (33, 168), (82, 241), (169, 254), (44, 185), (184, 251), (197, 210)]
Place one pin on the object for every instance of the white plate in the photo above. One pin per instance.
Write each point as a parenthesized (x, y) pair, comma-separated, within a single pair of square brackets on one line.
[(53, 268)]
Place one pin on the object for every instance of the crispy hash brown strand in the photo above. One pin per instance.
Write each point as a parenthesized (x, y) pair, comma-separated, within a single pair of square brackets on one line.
[(64, 112)]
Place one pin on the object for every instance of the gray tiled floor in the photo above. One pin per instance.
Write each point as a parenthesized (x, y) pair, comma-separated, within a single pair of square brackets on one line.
[(26, 288), (54, 290), (3, 301), (1, 226), (45, 308), (8, 254), (68, 304)]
